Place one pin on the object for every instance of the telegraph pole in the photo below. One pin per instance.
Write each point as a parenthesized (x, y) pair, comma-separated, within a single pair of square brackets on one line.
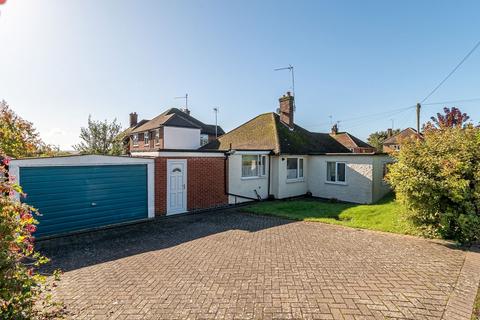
[(419, 106)]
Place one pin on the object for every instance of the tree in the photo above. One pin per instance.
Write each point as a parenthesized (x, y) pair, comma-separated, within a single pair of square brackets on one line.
[(438, 180), (18, 138), (24, 292), (100, 137), (451, 118), (376, 139)]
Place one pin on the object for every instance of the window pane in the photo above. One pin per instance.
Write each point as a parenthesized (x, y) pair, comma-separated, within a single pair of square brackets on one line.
[(263, 166), (341, 172), (331, 171), (300, 168), (292, 166), (249, 166)]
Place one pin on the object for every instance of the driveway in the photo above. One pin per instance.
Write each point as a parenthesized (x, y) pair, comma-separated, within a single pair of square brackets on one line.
[(231, 265)]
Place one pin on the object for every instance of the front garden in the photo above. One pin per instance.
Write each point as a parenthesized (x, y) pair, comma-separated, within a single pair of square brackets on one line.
[(385, 215)]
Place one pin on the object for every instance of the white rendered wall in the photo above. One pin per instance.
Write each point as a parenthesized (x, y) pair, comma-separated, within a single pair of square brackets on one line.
[(181, 138)]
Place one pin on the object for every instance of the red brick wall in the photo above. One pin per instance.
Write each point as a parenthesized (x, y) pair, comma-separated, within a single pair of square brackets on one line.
[(205, 183)]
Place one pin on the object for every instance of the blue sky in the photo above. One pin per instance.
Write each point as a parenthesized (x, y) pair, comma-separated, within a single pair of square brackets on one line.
[(63, 60)]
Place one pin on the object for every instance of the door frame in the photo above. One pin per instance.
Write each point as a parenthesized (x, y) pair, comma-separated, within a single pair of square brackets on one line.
[(185, 179)]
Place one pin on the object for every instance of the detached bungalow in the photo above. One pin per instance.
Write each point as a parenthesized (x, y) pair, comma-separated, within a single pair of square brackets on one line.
[(271, 156)]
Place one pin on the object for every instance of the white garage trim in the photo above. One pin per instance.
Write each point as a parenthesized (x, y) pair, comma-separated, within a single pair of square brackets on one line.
[(89, 160), (182, 154)]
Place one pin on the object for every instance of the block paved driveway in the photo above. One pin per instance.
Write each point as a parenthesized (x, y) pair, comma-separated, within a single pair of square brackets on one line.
[(231, 265)]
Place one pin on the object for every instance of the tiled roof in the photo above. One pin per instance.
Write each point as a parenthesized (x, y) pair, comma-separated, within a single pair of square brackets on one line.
[(177, 118), (267, 132), (405, 133), (172, 119), (350, 141)]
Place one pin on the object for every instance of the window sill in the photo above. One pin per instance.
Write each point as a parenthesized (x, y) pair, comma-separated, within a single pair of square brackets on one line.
[(253, 178), (336, 182), (295, 180)]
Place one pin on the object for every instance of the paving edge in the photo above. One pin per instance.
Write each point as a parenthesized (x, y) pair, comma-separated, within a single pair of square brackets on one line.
[(460, 303)]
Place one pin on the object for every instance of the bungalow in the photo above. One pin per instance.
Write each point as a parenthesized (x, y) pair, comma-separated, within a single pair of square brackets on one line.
[(271, 156)]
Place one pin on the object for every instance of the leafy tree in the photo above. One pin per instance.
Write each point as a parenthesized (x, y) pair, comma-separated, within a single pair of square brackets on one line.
[(438, 180), (100, 137), (24, 292), (18, 138), (451, 118), (376, 139)]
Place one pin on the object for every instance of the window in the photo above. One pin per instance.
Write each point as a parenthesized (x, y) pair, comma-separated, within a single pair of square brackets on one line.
[(263, 165), (135, 139), (336, 172), (203, 139), (253, 166), (146, 138), (294, 168), (157, 136)]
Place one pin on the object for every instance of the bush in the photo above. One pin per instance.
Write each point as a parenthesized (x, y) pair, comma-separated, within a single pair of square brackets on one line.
[(438, 180), (24, 292)]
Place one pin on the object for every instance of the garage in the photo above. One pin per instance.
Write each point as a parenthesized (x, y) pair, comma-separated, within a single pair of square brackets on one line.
[(86, 192)]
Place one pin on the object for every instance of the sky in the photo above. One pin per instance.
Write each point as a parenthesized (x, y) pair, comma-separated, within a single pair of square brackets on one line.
[(357, 62)]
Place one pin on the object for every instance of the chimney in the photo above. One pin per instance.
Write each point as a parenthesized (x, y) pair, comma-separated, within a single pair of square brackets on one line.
[(185, 110), (286, 109), (389, 132), (133, 119), (334, 129)]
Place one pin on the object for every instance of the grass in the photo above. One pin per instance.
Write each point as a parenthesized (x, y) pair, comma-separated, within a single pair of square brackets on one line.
[(385, 215)]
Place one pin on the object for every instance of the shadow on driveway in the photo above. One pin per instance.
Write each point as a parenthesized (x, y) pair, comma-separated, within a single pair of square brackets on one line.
[(86, 249)]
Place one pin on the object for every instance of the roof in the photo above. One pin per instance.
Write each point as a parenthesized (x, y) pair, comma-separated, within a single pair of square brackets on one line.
[(125, 133), (405, 133), (177, 118), (172, 119), (267, 132), (350, 141)]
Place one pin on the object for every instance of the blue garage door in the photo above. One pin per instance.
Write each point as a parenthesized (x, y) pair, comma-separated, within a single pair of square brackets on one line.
[(85, 197)]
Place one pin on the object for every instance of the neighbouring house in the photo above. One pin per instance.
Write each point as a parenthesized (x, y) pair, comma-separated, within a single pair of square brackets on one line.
[(172, 129), (351, 142), (394, 142), (271, 156)]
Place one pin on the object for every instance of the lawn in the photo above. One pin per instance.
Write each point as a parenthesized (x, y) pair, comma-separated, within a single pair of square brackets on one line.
[(385, 215), (476, 307)]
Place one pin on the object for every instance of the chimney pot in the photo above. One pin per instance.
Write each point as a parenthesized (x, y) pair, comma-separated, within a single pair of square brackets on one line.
[(334, 129), (133, 119), (286, 109), (389, 132)]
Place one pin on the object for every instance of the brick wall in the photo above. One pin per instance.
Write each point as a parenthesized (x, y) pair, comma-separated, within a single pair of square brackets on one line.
[(152, 143), (205, 183)]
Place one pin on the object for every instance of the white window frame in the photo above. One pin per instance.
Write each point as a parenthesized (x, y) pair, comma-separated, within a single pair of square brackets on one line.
[(146, 138), (298, 178), (135, 139), (261, 163), (203, 139), (336, 172)]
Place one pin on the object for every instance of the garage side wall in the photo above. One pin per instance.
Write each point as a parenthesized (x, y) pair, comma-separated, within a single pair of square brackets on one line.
[(205, 183)]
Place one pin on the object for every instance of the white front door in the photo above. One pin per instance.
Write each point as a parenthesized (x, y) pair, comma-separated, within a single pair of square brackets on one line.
[(176, 186)]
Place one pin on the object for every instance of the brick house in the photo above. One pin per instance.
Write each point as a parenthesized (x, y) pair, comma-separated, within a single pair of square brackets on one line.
[(172, 129), (351, 142), (394, 142)]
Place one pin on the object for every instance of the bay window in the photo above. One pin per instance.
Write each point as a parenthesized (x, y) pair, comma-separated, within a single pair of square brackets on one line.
[(336, 171)]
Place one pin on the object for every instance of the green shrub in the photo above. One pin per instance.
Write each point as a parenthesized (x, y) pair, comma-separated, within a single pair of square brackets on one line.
[(24, 292), (438, 180)]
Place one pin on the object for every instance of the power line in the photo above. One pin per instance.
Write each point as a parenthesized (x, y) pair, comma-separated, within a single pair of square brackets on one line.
[(451, 72), (451, 101)]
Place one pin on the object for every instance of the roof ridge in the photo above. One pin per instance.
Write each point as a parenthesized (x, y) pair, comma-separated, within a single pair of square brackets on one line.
[(277, 136)]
